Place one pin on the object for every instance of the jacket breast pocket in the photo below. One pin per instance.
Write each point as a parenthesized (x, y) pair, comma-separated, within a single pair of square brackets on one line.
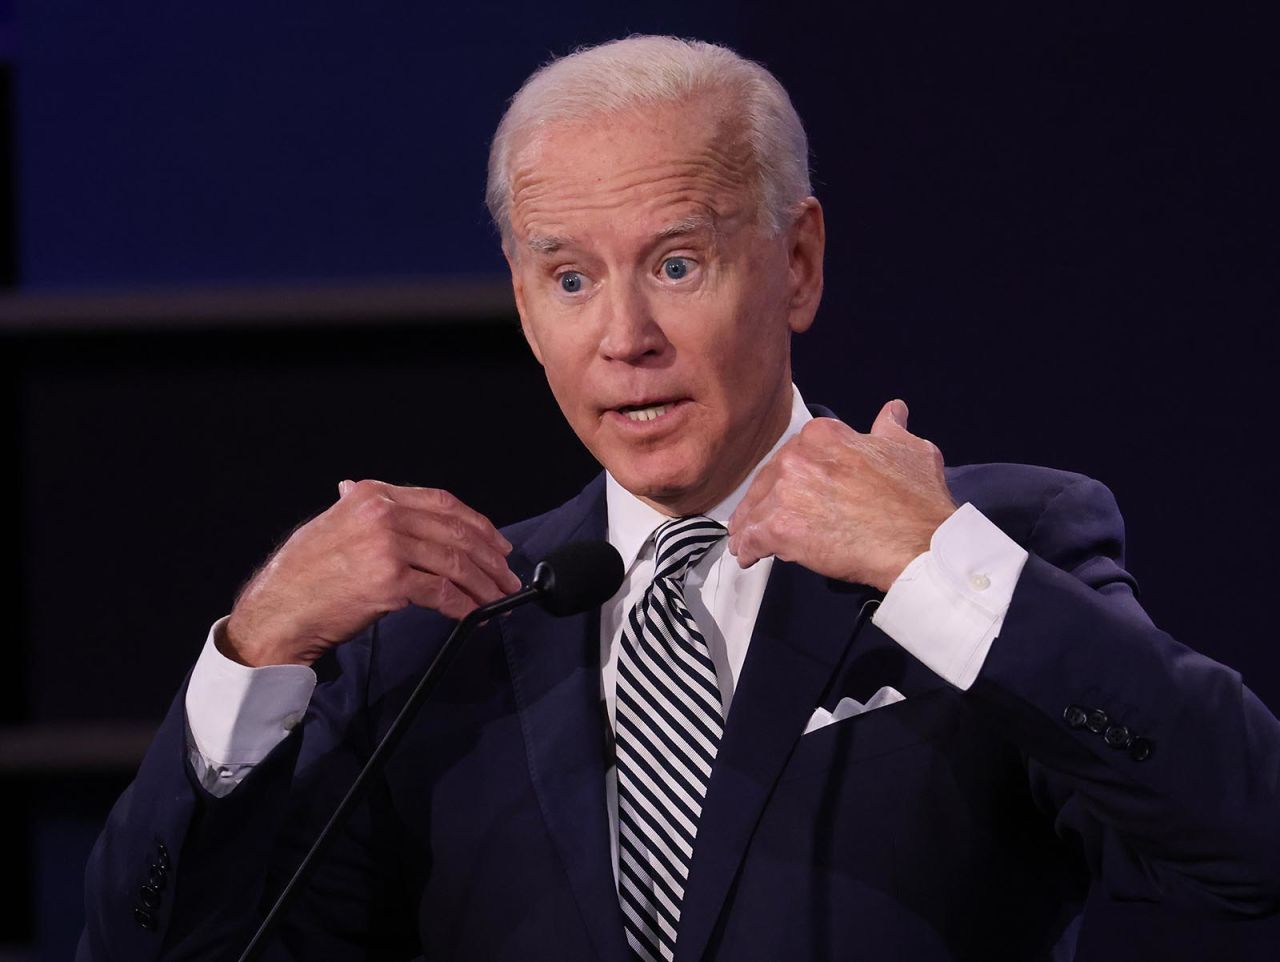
[(928, 717)]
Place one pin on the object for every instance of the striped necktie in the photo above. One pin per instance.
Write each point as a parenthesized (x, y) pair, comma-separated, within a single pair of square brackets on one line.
[(669, 722)]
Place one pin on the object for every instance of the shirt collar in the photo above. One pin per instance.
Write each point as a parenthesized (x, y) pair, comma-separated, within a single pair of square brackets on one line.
[(632, 522)]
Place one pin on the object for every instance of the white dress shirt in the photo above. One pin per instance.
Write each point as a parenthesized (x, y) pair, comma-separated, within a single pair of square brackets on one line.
[(945, 609)]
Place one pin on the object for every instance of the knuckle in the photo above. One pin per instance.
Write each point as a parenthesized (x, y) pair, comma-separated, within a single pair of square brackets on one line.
[(821, 429), (829, 434), (790, 459), (454, 561), (457, 529), (374, 510), (442, 498), (447, 594), (780, 524)]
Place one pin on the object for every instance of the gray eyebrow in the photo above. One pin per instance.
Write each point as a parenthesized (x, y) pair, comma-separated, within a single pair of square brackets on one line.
[(550, 243), (688, 225), (540, 244)]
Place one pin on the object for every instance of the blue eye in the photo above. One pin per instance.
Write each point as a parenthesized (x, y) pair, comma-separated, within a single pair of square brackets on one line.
[(571, 282), (676, 268)]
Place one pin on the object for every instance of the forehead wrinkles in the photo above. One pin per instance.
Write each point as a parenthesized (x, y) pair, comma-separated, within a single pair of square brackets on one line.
[(653, 185), (715, 174)]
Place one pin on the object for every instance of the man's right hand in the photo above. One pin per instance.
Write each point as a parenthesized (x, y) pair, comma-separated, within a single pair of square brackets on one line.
[(378, 549)]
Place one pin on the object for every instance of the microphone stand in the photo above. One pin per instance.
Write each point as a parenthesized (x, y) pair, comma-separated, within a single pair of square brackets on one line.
[(539, 584)]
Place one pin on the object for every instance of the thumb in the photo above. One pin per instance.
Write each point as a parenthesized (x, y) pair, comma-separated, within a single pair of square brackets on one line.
[(344, 487), (892, 419)]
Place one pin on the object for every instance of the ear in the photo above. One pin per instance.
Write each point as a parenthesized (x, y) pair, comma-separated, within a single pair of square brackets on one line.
[(517, 288), (806, 244)]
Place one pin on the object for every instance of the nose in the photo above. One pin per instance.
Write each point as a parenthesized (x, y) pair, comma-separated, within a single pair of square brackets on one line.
[(629, 332)]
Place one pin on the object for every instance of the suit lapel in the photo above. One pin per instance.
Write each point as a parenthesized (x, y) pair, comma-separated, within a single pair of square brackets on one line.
[(806, 623), (555, 673)]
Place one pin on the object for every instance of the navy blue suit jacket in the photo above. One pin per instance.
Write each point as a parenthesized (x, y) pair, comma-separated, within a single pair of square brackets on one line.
[(952, 825)]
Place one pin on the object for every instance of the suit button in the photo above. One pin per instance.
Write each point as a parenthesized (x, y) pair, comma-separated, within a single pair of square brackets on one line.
[(1117, 736), (145, 919), (1140, 749), (149, 896), (1097, 721), (156, 877), (1075, 716), (162, 856)]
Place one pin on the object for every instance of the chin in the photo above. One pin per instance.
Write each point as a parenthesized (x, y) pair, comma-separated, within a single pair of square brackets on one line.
[(642, 485), (657, 482), (667, 474)]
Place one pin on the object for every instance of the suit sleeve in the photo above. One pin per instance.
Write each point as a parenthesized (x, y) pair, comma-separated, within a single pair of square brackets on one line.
[(181, 874), (1160, 761)]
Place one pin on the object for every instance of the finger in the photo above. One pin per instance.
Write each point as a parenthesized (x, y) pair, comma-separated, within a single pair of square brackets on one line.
[(753, 540), (438, 501), (891, 422), (743, 553), (759, 489), (438, 594), (452, 563), (451, 530), (748, 546)]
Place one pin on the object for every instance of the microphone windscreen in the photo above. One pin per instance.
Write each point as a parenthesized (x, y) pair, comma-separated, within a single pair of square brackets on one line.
[(579, 576)]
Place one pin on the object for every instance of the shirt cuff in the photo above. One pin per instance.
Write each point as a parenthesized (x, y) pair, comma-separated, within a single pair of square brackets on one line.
[(947, 606), (237, 714)]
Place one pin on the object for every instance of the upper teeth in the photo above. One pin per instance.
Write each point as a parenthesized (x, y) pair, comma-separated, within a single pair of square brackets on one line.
[(646, 414)]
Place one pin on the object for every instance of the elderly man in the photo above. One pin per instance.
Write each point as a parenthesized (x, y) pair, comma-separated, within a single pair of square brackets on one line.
[(846, 703)]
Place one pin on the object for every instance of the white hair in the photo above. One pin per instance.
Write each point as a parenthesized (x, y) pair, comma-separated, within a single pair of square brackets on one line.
[(640, 71)]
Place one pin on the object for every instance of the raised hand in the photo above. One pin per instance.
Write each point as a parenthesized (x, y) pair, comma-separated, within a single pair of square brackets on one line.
[(379, 548), (857, 507)]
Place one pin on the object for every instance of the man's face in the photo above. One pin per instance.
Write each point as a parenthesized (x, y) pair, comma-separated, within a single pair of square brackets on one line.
[(659, 308)]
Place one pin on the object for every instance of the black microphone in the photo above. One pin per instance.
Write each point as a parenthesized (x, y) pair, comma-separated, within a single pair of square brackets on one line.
[(574, 578)]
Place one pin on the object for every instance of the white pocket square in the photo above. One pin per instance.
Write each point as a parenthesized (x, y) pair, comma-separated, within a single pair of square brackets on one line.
[(848, 707)]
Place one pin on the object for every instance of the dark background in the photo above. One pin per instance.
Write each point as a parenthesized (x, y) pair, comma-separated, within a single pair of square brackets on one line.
[(245, 256)]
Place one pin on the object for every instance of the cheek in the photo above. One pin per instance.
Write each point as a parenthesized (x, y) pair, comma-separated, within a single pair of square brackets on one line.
[(565, 364), (552, 338), (747, 359)]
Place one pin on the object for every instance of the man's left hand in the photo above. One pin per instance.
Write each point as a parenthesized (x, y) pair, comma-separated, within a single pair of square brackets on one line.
[(857, 507)]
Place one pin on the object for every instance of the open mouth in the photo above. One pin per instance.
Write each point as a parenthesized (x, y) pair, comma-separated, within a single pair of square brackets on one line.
[(647, 410), (647, 413)]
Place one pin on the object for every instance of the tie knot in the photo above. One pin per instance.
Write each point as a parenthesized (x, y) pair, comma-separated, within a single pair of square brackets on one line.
[(680, 542)]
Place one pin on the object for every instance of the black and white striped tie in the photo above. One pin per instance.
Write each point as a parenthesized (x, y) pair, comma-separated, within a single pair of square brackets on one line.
[(668, 726)]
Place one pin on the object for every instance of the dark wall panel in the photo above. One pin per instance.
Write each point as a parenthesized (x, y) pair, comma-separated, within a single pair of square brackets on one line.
[(167, 144), (159, 470)]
